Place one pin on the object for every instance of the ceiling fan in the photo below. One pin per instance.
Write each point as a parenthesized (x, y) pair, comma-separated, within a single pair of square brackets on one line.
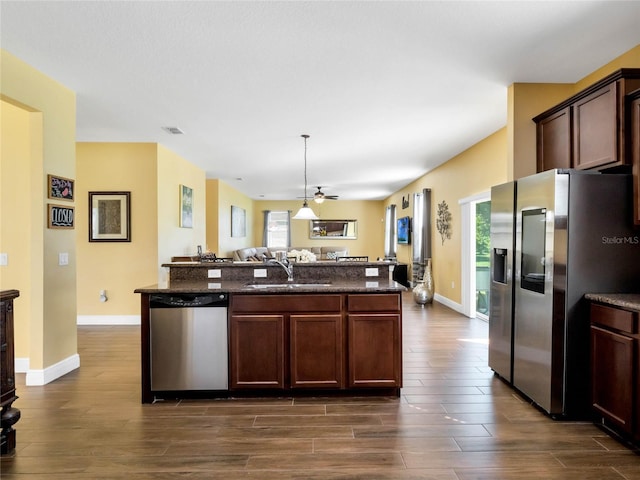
[(320, 197)]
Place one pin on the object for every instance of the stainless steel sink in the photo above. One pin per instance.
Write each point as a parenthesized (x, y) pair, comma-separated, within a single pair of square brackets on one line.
[(286, 285)]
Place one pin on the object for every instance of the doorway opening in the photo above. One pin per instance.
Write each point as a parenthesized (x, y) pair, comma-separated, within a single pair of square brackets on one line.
[(475, 246), (482, 224)]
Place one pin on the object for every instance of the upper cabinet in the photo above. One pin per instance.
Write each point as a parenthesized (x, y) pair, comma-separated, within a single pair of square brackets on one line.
[(634, 107), (591, 129), (554, 140)]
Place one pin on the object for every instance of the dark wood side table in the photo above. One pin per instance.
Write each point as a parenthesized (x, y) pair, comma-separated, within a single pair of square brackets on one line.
[(10, 415)]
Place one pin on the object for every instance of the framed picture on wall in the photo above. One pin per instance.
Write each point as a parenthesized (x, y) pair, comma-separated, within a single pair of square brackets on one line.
[(238, 222), (186, 207), (109, 216), (59, 188), (60, 216)]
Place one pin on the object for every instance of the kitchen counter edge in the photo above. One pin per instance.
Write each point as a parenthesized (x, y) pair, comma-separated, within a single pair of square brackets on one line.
[(352, 286), (629, 301)]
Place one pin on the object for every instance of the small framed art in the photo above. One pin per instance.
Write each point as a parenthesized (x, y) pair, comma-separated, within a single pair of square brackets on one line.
[(186, 207), (109, 216), (60, 216), (59, 188), (238, 222)]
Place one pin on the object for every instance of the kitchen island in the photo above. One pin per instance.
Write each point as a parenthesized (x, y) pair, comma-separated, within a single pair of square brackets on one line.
[(334, 329)]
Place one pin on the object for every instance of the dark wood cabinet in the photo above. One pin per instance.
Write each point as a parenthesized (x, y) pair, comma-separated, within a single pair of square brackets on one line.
[(554, 141), (305, 341), (634, 109), (286, 341), (9, 415), (374, 331), (256, 345), (317, 351), (596, 129), (615, 368), (590, 130)]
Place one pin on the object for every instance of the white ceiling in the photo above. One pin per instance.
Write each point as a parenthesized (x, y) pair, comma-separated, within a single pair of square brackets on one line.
[(387, 90)]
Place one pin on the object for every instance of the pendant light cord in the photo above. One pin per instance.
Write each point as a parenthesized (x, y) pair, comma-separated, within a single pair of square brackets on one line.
[(305, 167)]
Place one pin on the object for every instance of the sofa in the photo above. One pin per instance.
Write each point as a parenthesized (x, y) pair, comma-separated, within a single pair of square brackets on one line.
[(258, 254)]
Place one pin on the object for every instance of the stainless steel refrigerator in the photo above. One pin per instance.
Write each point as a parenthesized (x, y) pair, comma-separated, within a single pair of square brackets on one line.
[(503, 202), (572, 235)]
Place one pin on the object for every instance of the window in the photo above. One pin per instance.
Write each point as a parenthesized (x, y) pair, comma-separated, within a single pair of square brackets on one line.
[(277, 228)]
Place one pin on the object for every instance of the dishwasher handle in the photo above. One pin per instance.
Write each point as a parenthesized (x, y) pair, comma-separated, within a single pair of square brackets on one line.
[(189, 300)]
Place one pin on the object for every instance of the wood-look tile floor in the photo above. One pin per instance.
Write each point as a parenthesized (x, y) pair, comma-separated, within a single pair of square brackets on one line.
[(453, 421)]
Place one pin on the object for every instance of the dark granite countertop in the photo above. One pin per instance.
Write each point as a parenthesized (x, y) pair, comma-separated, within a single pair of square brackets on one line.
[(317, 264), (339, 285), (630, 301)]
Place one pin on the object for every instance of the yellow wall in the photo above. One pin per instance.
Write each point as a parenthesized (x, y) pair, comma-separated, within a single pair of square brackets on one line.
[(472, 172), (212, 209), (19, 128), (525, 101), (153, 174), (117, 267), (369, 214), (228, 196), (629, 59), (51, 332), (172, 239)]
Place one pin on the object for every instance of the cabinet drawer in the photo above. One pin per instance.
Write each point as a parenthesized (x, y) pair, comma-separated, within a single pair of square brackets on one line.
[(615, 318), (374, 303), (286, 303)]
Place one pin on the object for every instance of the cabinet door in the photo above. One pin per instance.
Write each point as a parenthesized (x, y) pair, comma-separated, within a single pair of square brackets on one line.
[(256, 346), (375, 357), (635, 147), (317, 351), (595, 129), (612, 370), (554, 141)]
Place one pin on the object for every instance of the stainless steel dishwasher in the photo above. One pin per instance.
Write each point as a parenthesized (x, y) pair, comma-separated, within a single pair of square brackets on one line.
[(188, 340)]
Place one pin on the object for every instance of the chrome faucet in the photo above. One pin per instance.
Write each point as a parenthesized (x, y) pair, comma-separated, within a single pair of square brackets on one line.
[(288, 267)]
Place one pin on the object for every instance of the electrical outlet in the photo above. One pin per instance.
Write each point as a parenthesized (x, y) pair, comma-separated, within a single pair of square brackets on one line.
[(215, 273), (453, 284), (4, 259), (259, 273), (371, 272)]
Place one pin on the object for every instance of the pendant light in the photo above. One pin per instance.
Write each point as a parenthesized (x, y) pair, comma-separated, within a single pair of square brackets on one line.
[(305, 213)]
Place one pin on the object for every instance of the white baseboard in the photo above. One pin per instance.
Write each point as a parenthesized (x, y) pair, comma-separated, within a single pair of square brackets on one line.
[(108, 320), (449, 303), (21, 365), (49, 374)]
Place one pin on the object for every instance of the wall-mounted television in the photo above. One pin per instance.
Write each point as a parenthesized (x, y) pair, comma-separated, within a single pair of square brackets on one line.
[(404, 230)]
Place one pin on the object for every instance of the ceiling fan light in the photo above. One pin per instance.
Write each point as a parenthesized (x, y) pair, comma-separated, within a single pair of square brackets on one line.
[(318, 199), (305, 213)]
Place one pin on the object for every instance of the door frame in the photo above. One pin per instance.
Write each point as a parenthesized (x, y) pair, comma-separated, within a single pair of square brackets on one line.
[(468, 252)]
